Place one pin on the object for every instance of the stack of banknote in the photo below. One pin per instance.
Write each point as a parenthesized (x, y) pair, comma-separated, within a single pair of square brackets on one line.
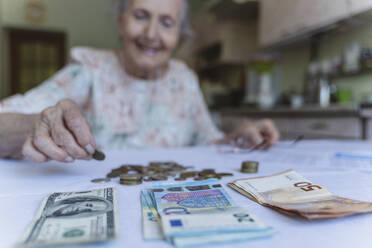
[(74, 218), (197, 213), (292, 194)]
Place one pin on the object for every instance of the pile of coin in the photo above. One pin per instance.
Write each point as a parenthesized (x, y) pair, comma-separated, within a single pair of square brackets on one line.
[(249, 167), (158, 171), (202, 175), (130, 179)]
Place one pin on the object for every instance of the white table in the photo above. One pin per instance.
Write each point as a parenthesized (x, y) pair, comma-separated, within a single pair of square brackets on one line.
[(24, 184)]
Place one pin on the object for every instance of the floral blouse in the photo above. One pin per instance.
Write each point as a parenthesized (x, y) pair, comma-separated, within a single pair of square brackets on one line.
[(124, 111)]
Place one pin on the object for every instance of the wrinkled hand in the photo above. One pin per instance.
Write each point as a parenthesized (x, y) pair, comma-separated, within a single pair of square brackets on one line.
[(61, 134), (260, 134)]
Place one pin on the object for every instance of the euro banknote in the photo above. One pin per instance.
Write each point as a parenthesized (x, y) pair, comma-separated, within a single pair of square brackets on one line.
[(199, 213), (292, 194)]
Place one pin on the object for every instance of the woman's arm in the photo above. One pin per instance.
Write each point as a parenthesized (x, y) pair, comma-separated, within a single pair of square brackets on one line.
[(72, 82), (14, 129)]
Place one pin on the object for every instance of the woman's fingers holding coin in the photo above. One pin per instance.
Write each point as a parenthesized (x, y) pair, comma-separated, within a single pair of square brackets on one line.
[(64, 139), (78, 126), (61, 134)]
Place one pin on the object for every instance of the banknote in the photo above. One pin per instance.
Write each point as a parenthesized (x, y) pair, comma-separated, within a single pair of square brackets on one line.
[(74, 218), (150, 218), (198, 213), (292, 194)]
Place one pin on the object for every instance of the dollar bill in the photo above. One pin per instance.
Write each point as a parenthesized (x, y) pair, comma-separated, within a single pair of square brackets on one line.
[(198, 213), (292, 194), (74, 218)]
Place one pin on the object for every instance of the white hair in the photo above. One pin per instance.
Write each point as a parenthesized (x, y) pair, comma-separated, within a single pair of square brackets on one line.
[(186, 30)]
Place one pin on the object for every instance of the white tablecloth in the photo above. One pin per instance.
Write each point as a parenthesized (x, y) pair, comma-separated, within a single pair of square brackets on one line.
[(23, 185)]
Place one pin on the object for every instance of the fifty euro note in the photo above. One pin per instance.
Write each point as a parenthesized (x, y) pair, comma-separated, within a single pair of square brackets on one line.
[(292, 194)]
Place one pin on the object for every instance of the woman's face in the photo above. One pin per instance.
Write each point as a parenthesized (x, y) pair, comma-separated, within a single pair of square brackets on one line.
[(150, 31)]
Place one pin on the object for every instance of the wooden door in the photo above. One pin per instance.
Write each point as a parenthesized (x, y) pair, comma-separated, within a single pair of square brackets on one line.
[(34, 56)]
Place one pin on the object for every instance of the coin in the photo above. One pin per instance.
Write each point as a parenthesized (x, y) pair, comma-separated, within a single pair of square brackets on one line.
[(114, 174), (225, 174), (130, 177), (211, 176), (208, 172), (98, 155), (101, 180), (199, 178), (180, 179), (249, 167), (130, 183), (188, 174), (133, 174), (159, 178)]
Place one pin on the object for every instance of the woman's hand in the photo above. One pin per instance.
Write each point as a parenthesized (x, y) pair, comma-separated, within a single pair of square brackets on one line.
[(61, 134), (255, 134)]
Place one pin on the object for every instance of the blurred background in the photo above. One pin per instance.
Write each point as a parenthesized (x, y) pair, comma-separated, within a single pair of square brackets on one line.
[(305, 64)]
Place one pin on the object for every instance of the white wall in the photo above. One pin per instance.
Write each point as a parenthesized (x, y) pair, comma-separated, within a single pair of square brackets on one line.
[(86, 22), (1, 53)]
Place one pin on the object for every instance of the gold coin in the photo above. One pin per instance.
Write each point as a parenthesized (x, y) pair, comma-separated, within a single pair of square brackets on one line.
[(130, 183), (207, 172), (199, 178), (114, 174), (180, 179), (249, 167), (131, 177), (225, 174), (159, 178), (189, 174)]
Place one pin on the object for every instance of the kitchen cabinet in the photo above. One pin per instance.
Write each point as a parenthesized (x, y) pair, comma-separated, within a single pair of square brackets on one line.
[(315, 123), (359, 6), (284, 20)]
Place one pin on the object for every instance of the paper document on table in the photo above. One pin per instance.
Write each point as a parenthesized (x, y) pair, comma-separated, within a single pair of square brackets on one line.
[(199, 213), (74, 218), (310, 158), (292, 194)]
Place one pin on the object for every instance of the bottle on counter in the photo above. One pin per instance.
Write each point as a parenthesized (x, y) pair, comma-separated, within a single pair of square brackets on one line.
[(311, 84), (324, 89), (266, 95)]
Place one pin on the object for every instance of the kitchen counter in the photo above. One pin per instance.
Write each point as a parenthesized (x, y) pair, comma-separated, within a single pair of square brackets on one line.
[(333, 122)]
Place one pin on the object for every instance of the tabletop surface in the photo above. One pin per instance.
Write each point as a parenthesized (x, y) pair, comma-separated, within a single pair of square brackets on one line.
[(343, 167)]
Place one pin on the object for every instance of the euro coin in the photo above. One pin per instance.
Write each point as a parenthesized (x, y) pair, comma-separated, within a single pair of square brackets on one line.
[(101, 180), (98, 155), (249, 167), (130, 183), (131, 177)]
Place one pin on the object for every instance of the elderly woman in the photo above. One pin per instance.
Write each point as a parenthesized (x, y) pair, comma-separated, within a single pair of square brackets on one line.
[(133, 97)]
